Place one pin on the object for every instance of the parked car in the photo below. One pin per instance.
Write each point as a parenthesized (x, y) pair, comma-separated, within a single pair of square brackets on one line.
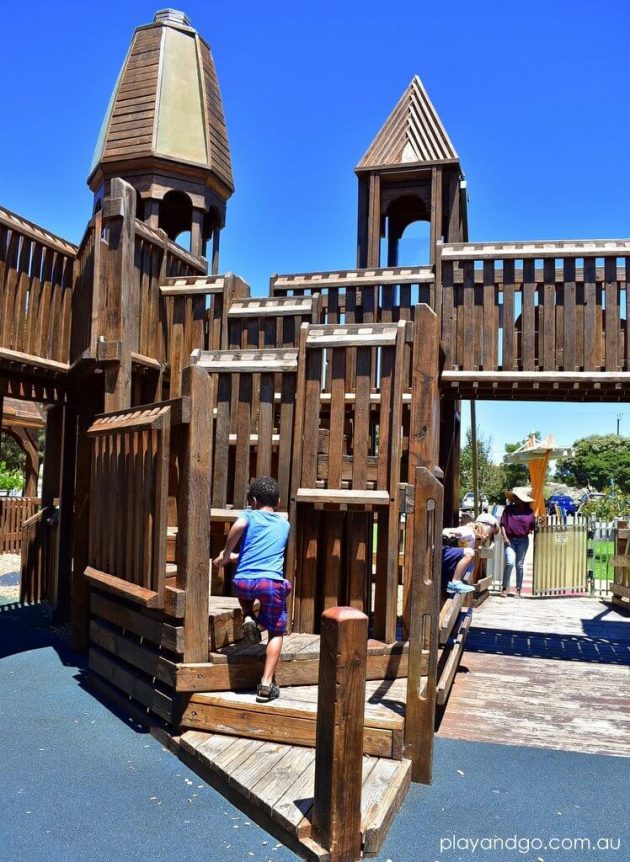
[(468, 502), (566, 504)]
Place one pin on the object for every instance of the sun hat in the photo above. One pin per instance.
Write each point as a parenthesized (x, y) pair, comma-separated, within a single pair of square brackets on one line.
[(521, 494)]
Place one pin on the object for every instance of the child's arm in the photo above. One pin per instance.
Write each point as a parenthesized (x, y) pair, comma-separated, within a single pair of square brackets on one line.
[(236, 531)]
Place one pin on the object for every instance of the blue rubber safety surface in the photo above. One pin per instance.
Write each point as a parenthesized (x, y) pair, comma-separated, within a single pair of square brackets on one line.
[(80, 783)]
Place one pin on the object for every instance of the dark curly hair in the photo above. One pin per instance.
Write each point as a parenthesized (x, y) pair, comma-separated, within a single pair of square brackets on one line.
[(266, 490)]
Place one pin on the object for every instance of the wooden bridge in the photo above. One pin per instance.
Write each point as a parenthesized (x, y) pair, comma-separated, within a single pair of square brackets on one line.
[(169, 388)]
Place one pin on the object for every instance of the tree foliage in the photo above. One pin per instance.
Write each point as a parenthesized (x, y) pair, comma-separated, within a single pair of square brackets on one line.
[(10, 480), (598, 462), (489, 475), (606, 508)]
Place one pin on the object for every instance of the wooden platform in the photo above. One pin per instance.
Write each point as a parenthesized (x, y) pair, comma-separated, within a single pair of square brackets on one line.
[(278, 781), (291, 718), (549, 673)]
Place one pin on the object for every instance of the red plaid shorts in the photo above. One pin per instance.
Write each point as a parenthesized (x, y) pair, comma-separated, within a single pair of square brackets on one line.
[(272, 596)]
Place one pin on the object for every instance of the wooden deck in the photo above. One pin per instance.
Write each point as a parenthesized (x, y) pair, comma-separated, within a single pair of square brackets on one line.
[(550, 673)]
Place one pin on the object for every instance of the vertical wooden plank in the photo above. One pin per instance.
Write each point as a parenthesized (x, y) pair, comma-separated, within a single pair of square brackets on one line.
[(448, 314), (337, 417), (549, 318), (222, 441), (339, 734), (528, 314), (140, 446), (243, 431), (333, 533), (194, 507), (285, 445), (374, 221), (591, 343), (612, 318), (306, 583), (509, 352), (570, 316), (358, 532), (489, 329), (465, 358), (311, 409), (361, 419), (265, 426)]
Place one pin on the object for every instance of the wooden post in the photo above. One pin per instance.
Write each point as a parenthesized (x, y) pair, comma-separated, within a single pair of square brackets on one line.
[(62, 602), (424, 423), (193, 539), (80, 614), (339, 739), (473, 440), (424, 606), (449, 458), (121, 324)]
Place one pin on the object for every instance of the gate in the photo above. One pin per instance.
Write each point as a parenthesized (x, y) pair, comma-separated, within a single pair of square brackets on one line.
[(560, 557)]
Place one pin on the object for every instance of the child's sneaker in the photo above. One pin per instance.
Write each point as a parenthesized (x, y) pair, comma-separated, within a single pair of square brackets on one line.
[(265, 693), (251, 632), (459, 587)]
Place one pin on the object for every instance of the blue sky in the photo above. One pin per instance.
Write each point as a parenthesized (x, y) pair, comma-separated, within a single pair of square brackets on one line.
[(534, 97)]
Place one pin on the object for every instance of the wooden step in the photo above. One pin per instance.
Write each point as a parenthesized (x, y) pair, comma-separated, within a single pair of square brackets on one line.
[(451, 656), (291, 719), (239, 666), (279, 780)]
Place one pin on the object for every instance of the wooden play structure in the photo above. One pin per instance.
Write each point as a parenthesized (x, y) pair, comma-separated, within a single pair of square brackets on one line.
[(169, 387)]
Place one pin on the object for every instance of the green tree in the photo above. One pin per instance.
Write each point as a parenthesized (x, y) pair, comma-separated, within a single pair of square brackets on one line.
[(489, 475), (596, 461)]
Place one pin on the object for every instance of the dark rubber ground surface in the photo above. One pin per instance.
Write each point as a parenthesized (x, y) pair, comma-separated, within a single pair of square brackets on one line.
[(81, 783)]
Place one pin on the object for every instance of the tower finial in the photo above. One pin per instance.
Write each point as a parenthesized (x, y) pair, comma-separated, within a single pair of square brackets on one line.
[(171, 16)]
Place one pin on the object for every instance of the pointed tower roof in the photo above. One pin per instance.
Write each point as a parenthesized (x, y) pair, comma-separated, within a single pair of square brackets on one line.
[(413, 133), (166, 106)]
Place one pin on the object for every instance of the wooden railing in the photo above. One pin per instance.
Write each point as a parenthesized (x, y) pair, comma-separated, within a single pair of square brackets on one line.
[(36, 282), (40, 556), (532, 307), (14, 511)]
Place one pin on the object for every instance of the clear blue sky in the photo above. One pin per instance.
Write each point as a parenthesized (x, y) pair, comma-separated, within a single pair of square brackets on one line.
[(534, 97)]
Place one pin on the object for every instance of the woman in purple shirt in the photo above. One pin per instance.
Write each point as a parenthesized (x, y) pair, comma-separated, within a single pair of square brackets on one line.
[(517, 522)]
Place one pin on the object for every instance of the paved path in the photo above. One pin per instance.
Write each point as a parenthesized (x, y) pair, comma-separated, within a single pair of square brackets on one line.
[(550, 673)]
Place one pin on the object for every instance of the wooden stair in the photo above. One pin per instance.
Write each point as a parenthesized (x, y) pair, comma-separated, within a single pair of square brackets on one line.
[(278, 781), (238, 666), (291, 719)]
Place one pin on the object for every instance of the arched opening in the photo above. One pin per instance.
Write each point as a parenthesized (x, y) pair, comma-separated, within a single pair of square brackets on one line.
[(176, 217), (407, 233)]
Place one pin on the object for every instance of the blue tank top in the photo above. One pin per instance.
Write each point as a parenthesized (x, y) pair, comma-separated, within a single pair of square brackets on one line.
[(262, 545)]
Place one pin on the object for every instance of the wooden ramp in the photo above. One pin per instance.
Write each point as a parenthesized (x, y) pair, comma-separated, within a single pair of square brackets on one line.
[(278, 780), (292, 718)]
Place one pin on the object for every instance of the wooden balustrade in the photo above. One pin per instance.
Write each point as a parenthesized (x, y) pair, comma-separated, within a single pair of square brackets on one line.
[(36, 283), (532, 307), (14, 511)]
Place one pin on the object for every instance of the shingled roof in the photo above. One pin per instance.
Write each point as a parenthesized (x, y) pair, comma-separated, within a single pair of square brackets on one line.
[(413, 133), (166, 102)]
